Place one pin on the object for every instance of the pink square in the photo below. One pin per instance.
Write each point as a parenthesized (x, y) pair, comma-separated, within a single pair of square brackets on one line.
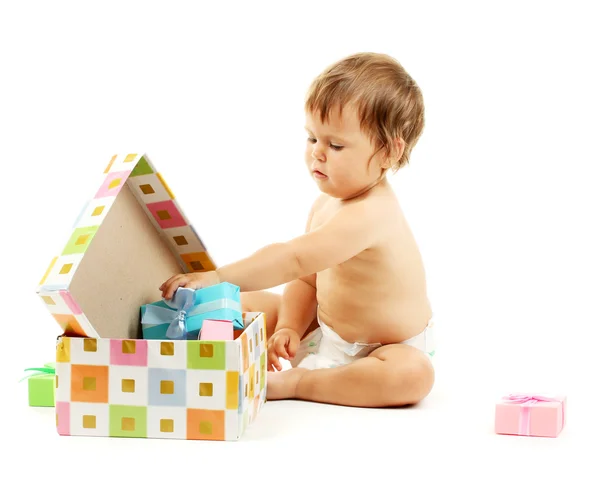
[(70, 302), (216, 330), (63, 418), (166, 214), (112, 184), (129, 352)]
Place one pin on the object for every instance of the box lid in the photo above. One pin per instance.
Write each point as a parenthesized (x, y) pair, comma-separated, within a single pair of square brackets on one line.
[(129, 238)]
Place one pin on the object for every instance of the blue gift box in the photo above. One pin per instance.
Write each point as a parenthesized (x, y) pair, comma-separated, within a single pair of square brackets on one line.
[(182, 316)]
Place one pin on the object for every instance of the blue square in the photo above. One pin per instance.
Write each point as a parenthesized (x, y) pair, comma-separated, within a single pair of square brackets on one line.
[(166, 387)]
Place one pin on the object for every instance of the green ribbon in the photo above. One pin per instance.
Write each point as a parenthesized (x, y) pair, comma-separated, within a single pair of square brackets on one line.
[(49, 368)]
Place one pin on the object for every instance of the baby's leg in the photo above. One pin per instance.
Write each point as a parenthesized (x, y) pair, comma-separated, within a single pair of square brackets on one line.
[(392, 375), (263, 302)]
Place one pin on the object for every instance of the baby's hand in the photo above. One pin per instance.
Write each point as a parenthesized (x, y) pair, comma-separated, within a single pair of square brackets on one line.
[(282, 344), (189, 280)]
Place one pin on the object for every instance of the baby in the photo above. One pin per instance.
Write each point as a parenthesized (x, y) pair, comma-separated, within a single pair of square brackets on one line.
[(354, 320)]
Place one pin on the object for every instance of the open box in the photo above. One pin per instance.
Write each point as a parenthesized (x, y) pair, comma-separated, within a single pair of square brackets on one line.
[(129, 238)]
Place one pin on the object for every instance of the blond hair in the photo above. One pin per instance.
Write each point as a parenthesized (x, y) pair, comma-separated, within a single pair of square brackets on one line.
[(388, 101)]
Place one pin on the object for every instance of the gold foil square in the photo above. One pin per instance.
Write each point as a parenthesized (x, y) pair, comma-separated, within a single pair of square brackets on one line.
[(128, 424), (89, 384), (167, 387), (206, 389), (89, 422), (128, 346), (128, 385), (206, 350), (48, 300), (180, 240), (82, 240), (90, 345), (163, 215), (65, 268), (206, 427), (166, 425), (98, 211), (114, 183), (196, 265), (167, 348), (147, 189)]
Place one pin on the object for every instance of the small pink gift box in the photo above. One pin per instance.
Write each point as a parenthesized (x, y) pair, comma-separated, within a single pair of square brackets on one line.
[(524, 415), (216, 330)]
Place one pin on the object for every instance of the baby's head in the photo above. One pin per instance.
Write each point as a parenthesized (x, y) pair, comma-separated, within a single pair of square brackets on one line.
[(364, 115)]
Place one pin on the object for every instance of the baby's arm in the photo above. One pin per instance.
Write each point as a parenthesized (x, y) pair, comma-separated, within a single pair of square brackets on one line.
[(352, 229)]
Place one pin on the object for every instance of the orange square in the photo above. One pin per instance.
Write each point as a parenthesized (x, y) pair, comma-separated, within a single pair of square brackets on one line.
[(206, 424), (69, 324), (198, 261), (89, 383)]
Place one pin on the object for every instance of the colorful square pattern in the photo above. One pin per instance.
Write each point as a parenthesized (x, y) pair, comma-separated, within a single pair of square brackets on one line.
[(158, 201), (207, 390)]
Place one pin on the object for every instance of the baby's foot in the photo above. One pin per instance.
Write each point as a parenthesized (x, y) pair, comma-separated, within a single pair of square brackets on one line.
[(282, 385)]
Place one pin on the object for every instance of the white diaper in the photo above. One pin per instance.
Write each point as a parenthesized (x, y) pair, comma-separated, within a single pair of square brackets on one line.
[(324, 348)]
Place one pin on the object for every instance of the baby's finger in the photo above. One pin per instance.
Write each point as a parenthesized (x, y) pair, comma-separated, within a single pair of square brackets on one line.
[(173, 285), (274, 360), (280, 348)]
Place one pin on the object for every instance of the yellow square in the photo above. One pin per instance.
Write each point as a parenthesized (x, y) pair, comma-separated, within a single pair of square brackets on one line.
[(90, 345), (166, 425), (128, 385), (147, 189), (206, 350), (206, 427), (129, 158), (128, 346), (66, 268), (128, 424), (163, 215), (89, 384), (167, 387), (167, 348), (48, 300), (98, 211), (89, 422), (114, 183), (82, 240), (206, 389)]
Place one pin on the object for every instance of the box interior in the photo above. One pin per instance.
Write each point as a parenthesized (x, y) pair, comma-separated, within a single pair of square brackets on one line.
[(122, 269)]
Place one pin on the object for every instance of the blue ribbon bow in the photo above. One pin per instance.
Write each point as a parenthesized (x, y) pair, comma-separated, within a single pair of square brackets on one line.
[(180, 309)]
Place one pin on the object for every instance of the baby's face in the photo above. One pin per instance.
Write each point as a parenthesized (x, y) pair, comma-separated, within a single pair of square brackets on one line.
[(338, 153)]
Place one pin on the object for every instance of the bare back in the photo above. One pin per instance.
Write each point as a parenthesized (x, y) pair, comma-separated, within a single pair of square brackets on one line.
[(379, 295)]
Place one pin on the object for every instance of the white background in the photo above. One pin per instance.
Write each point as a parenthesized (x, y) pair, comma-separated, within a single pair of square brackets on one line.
[(502, 195)]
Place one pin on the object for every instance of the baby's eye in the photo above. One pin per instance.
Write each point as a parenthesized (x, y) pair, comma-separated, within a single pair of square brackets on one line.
[(336, 147), (311, 140)]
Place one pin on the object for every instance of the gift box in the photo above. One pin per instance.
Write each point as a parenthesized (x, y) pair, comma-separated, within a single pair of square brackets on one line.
[(129, 238), (530, 415), (182, 316), (41, 384)]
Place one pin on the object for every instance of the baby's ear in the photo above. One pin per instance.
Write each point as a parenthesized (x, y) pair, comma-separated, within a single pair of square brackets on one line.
[(395, 155)]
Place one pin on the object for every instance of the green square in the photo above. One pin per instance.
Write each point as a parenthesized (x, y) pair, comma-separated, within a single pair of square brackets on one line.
[(41, 390), (86, 234), (116, 415), (198, 351), (142, 168)]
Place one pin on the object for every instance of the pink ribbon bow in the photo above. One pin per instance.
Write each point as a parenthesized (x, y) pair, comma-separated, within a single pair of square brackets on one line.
[(525, 402)]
